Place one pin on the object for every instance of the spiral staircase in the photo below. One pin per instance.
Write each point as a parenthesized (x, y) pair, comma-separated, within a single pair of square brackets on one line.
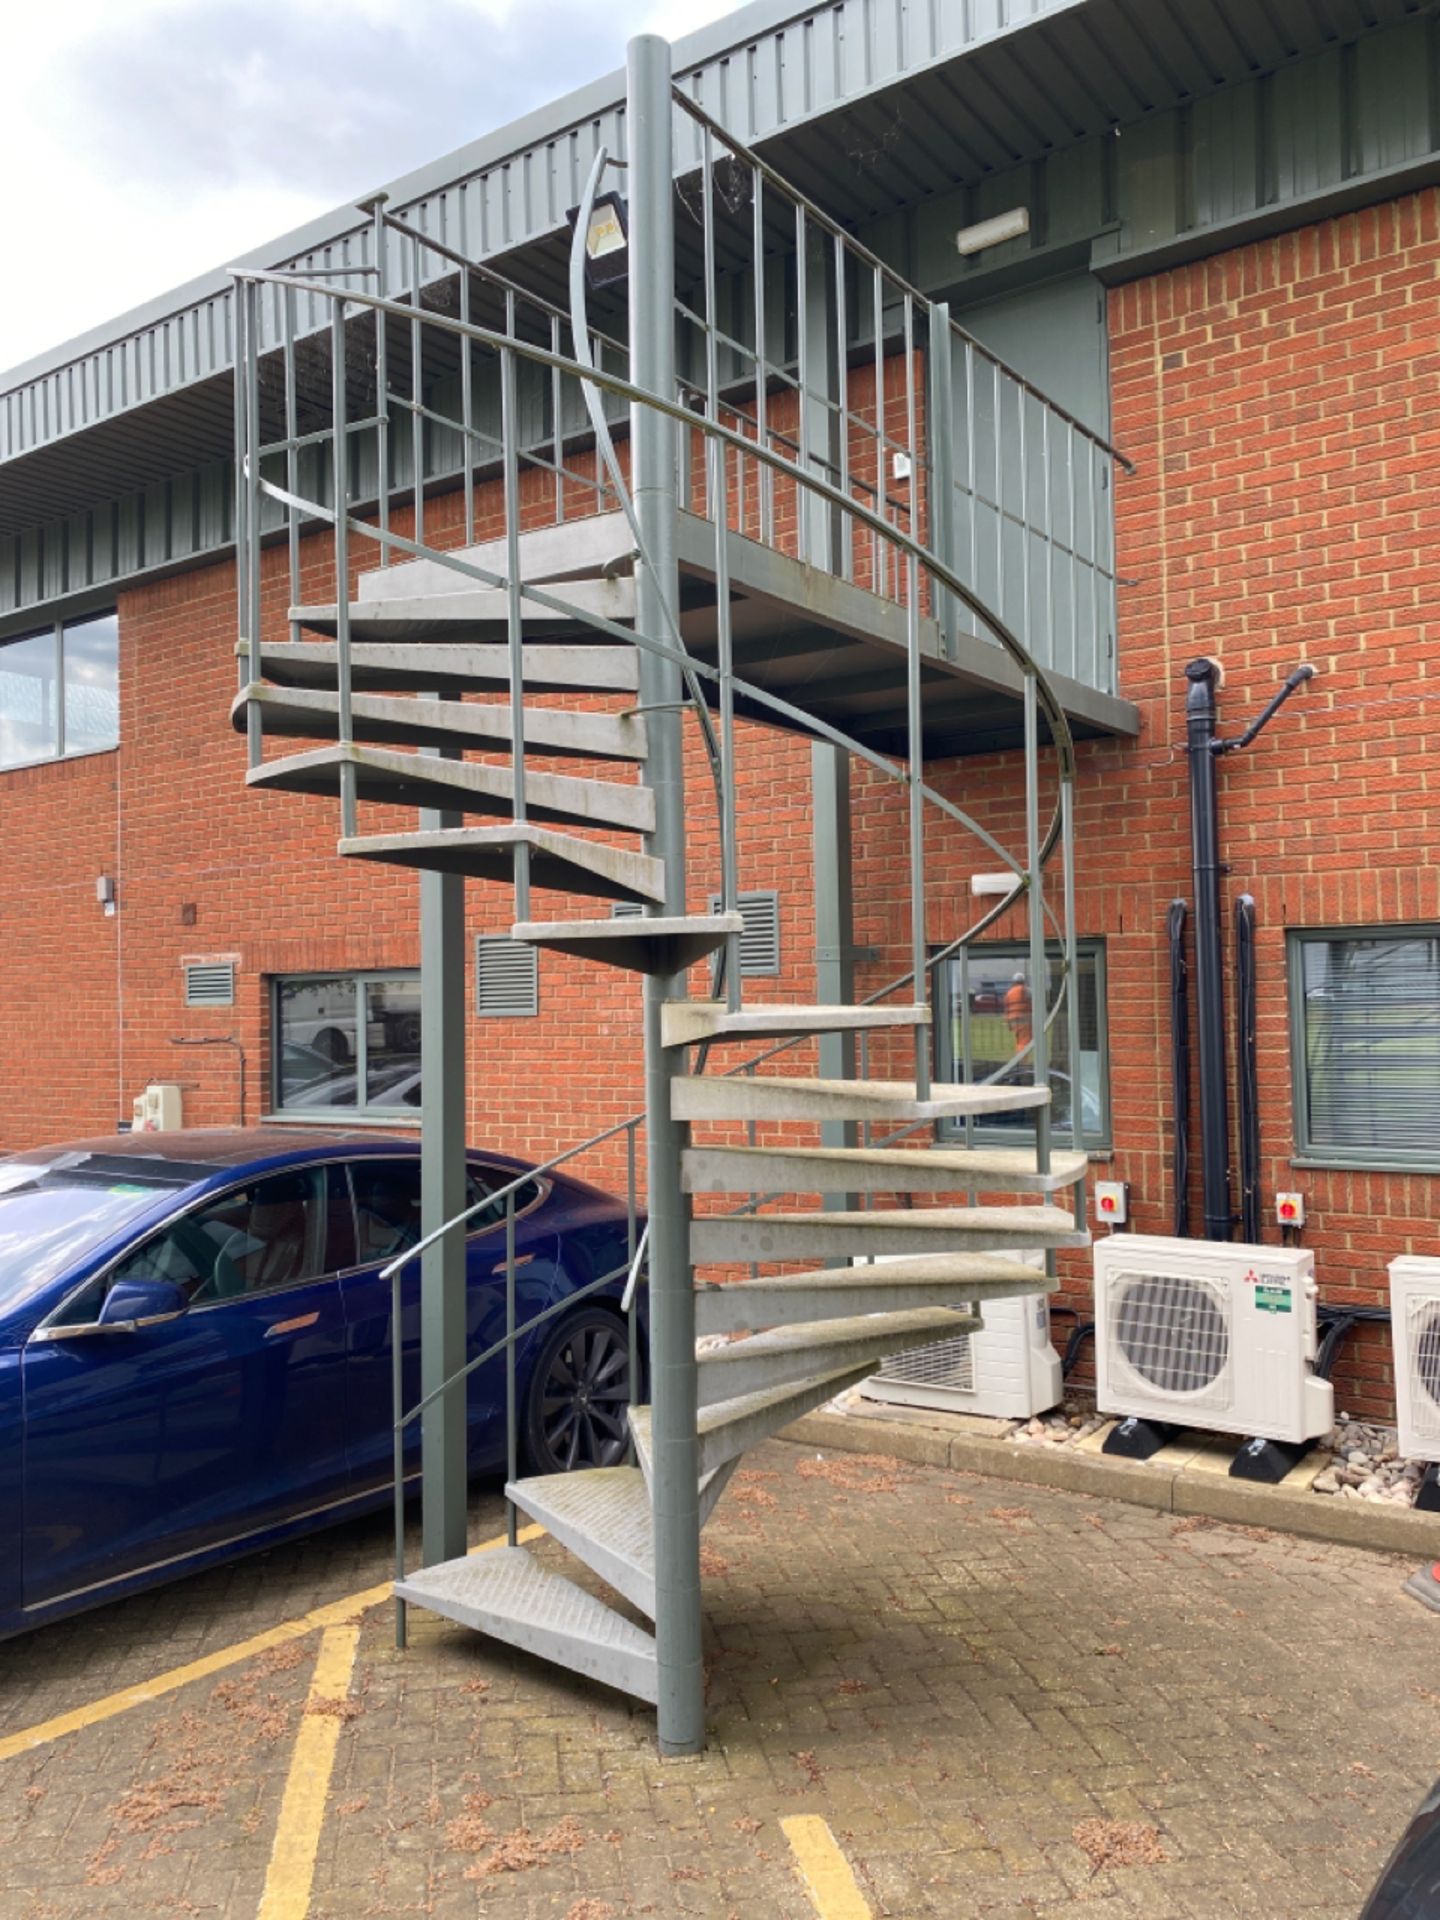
[(583, 637)]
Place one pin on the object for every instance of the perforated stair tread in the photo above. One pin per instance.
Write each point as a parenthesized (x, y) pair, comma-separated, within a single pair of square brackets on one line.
[(804, 1349), (917, 1280), (660, 945), (557, 860), (688, 1022), (582, 547), (508, 1595), (777, 1097), (820, 1235), (731, 1427), (479, 611), (453, 667), (377, 719), (709, 1169), (602, 1515), (389, 776)]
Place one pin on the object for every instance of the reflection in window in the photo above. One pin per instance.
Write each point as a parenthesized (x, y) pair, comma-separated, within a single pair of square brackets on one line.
[(59, 691), (347, 1042), (985, 1022)]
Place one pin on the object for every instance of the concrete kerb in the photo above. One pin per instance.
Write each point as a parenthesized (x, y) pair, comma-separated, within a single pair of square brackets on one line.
[(1289, 1508)]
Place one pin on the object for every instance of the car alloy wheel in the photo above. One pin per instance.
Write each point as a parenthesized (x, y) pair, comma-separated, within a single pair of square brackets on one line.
[(579, 1395)]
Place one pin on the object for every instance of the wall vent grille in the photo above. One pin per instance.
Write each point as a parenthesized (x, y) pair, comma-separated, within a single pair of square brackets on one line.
[(507, 978), (210, 983)]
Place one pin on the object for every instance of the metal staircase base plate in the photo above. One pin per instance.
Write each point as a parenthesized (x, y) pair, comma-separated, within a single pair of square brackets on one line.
[(601, 1515), (506, 1594)]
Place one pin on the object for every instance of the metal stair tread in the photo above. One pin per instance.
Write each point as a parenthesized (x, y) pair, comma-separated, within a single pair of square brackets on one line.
[(431, 616), (912, 1280), (820, 1234), (713, 1169), (654, 944), (603, 1516), (690, 1022), (450, 667), (803, 1349), (390, 776), (585, 547), (380, 719), (558, 861), (780, 1097), (802, 1334), (508, 1595), (728, 1427)]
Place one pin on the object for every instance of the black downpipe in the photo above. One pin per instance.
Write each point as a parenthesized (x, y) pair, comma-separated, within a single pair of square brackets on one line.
[(1180, 1061), (1247, 1087), (1201, 715)]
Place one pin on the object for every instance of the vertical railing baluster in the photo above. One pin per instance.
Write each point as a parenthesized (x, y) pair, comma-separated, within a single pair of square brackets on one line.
[(842, 394), (632, 1323), (397, 1412), (512, 1432), (997, 432), (802, 368), (1093, 466), (557, 420), (250, 560), (1074, 557), (972, 477), (417, 397), (1039, 1033), (1052, 660), (509, 428), (340, 487), (912, 431), (914, 718), (292, 457), (766, 531), (380, 247), (882, 548), (967, 1046), (467, 414)]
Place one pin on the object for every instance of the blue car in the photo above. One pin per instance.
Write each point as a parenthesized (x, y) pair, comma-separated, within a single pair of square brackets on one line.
[(195, 1346)]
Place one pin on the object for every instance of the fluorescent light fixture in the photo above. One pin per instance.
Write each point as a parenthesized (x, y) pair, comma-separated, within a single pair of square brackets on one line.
[(997, 883), (994, 232)]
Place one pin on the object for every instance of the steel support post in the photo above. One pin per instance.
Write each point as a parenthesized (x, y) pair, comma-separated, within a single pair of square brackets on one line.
[(834, 930), (681, 1703), (940, 439)]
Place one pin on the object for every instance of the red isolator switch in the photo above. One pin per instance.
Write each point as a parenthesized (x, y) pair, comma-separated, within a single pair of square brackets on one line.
[(1290, 1209), (1112, 1202)]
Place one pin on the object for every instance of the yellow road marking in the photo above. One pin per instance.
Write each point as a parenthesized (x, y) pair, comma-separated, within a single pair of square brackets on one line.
[(334, 1613), (307, 1785), (824, 1869)]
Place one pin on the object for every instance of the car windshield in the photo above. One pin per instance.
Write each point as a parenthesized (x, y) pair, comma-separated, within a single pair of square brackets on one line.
[(55, 1210)]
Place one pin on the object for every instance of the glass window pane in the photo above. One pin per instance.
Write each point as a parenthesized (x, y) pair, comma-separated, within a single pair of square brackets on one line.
[(267, 1235), (1371, 1045), (316, 1048), (29, 701), (392, 1042), (387, 1208), (1001, 1022), (92, 684)]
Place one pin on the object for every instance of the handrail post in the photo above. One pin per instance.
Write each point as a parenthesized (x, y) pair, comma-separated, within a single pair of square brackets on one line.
[(940, 447), (1035, 900), (379, 247), (1072, 977), (397, 1413), (681, 1677), (512, 1448)]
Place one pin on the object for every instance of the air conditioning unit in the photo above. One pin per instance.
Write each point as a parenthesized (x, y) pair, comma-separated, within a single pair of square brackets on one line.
[(1415, 1330), (1201, 1334), (1008, 1370)]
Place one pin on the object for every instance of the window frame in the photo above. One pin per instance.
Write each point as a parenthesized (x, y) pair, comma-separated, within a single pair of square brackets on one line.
[(360, 1115), (946, 1064), (56, 631), (1306, 1152)]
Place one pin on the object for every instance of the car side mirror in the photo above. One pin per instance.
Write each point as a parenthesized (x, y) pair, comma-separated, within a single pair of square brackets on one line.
[(142, 1303)]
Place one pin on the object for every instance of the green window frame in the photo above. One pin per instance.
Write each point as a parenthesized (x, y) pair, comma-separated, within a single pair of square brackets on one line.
[(986, 970), (346, 1045), (1365, 1046)]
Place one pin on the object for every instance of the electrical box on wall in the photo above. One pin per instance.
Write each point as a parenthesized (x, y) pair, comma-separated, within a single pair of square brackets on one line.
[(1112, 1202), (158, 1109), (1290, 1209)]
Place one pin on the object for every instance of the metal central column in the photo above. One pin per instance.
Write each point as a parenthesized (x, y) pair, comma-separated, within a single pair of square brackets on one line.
[(444, 1496), (681, 1705)]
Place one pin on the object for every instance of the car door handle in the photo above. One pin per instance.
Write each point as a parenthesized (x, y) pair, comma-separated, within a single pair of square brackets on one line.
[(296, 1325), (521, 1260)]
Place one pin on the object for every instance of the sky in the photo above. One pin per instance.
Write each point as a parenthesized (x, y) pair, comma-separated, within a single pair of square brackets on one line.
[(153, 141)]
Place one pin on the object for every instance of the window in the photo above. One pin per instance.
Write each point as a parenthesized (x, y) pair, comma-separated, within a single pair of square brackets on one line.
[(1365, 1015), (257, 1238), (59, 691), (995, 981), (347, 1042), (387, 1204)]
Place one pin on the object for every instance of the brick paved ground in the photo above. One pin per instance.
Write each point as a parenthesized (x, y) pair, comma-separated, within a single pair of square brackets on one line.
[(954, 1673)]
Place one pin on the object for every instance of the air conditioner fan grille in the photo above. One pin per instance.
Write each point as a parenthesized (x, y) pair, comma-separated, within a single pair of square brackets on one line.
[(1423, 1343), (1173, 1332)]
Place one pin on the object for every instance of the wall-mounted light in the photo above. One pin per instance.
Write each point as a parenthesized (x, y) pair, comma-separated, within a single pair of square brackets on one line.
[(994, 232), (994, 883), (607, 240), (105, 893)]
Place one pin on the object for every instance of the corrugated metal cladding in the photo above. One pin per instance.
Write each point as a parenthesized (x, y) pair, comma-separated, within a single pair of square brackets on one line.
[(1022, 78), (906, 121)]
